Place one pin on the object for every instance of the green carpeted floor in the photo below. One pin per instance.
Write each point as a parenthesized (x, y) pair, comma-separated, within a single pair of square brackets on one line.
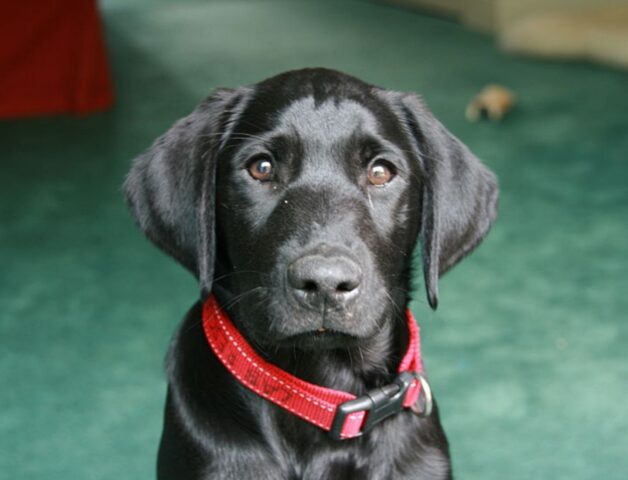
[(528, 353)]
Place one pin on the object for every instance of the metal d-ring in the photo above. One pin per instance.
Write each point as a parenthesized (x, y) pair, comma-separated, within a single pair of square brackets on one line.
[(426, 393)]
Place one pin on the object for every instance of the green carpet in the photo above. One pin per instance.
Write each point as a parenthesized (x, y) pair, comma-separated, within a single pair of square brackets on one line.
[(528, 353)]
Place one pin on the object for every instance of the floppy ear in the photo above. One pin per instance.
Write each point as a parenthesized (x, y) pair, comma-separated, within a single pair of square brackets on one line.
[(170, 188), (459, 194)]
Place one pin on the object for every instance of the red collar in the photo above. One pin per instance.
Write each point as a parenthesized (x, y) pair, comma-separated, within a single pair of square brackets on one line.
[(340, 413)]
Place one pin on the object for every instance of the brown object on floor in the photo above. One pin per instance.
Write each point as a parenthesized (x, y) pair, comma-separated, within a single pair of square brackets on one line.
[(494, 101)]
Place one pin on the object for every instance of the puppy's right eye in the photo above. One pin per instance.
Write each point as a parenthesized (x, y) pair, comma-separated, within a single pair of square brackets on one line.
[(261, 168)]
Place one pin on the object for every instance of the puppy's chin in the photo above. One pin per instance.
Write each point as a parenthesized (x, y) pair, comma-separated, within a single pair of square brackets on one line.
[(279, 324), (319, 340)]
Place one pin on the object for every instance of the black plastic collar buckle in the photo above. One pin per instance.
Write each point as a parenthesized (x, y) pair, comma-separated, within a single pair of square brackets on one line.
[(379, 403)]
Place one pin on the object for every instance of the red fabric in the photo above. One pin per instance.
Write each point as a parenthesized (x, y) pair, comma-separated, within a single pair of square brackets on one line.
[(310, 402), (52, 58)]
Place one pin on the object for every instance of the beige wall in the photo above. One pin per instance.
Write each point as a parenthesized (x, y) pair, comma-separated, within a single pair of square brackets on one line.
[(584, 29), (512, 10)]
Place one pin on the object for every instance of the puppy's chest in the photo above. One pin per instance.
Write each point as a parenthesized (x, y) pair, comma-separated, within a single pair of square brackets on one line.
[(367, 464), (395, 451)]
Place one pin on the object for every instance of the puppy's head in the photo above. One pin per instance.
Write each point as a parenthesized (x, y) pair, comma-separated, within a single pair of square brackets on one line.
[(304, 196)]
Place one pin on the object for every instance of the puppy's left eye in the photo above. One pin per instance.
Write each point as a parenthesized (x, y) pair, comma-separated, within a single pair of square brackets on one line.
[(380, 172)]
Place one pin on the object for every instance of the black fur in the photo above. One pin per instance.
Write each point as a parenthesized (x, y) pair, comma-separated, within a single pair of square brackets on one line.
[(192, 194)]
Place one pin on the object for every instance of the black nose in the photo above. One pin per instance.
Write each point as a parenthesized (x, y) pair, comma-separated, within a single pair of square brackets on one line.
[(318, 280)]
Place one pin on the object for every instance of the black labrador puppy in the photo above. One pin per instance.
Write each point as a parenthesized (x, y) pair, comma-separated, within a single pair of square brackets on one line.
[(298, 202)]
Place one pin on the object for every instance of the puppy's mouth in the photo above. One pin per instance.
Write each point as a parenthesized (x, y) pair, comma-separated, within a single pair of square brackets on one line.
[(319, 339)]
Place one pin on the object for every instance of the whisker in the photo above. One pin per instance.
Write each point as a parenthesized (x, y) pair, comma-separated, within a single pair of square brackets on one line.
[(238, 298), (236, 272)]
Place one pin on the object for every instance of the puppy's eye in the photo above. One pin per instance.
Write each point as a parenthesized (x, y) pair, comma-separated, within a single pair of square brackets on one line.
[(261, 168), (380, 172)]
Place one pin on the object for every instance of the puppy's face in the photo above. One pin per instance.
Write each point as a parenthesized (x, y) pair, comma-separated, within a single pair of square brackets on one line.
[(304, 195), (317, 215)]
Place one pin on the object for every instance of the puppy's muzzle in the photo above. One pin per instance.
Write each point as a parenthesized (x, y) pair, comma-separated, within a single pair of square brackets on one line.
[(325, 281)]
